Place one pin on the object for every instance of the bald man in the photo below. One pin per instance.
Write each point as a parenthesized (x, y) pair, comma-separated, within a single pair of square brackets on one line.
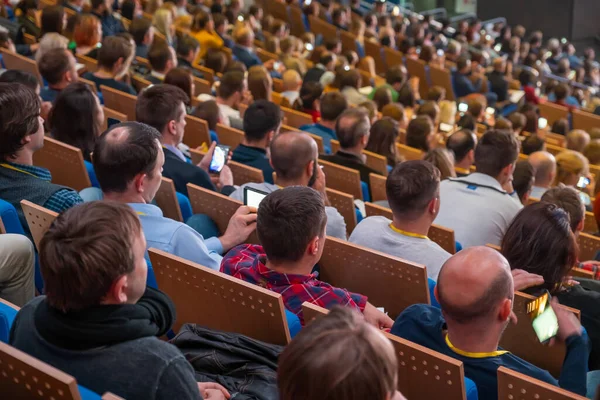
[(476, 292), (462, 143), (544, 165), (577, 140), (497, 79), (294, 157)]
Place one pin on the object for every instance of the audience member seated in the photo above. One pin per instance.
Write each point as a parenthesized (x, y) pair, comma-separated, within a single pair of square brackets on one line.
[(309, 100), (260, 83), (350, 82), (294, 157), (476, 292), (352, 129), (57, 67), (110, 25), (382, 140), (77, 118), (498, 80), (413, 194), (397, 113), (544, 165), (332, 105), (232, 91), (291, 228), (571, 166), (523, 178), (98, 311), (395, 77), (187, 51), (17, 259), (128, 162), (592, 152), (466, 82), (292, 82), (31, 82), (562, 97), (163, 108), (518, 122), (442, 159), (533, 144), (479, 207), (21, 135), (114, 59), (244, 51), (162, 59), (209, 111), (262, 121), (87, 36), (462, 143), (203, 31), (541, 239), (322, 72), (560, 126), (421, 135), (143, 34), (338, 357), (577, 139)]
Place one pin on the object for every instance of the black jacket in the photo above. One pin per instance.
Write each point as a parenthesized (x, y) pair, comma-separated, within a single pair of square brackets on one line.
[(350, 161), (246, 367), (499, 85)]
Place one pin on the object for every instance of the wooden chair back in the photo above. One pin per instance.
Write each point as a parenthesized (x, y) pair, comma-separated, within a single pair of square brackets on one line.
[(373, 49), (409, 153), (553, 149), (388, 281), (377, 162), (277, 85), (319, 141), (117, 100), (166, 200), (588, 246), (441, 77), (582, 273), (38, 219), (393, 57), (297, 23), (277, 9), (555, 139), (310, 312), (296, 118), (29, 39), (218, 207), (344, 203), (348, 40), (377, 185), (589, 223), (417, 68), (515, 385), (244, 174), (218, 301), (139, 82), (229, 136), (209, 74), (112, 114), (277, 98), (585, 120), (91, 65), (26, 377), (64, 162), (335, 146), (143, 61), (196, 132), (16, 61), (266, 55), (553, 112), (90, 84), (521, 340), (320, 27), (201, 86), (344, 179)]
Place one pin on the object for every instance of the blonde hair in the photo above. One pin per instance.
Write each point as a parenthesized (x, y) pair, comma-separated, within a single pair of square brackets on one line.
[(443, 159), (568, 163), (152, 6), (162, 21), (260, 83)]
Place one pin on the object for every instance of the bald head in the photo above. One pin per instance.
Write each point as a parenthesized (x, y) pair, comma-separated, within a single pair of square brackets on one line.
[(461, 143), (544, 165), (472, 284), (291, 152), (352, 128)]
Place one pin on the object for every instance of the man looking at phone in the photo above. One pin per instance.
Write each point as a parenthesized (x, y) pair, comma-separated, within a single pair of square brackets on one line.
[(294, 157), (475, 289), (163, 108), (128, 162)]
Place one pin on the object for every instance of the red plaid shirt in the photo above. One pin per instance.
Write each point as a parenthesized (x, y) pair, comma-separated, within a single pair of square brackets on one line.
[(247, 262)]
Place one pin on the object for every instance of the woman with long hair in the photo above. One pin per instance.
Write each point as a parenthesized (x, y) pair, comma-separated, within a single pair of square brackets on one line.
[(183, 79), (260, 83), (382, 140), (87, 35), (309, 100), (54, 20)]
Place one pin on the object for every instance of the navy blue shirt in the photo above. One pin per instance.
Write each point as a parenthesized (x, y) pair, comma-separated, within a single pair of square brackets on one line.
[(327, 134), (49, 94), (111, 83), (254, 157), (424, 325)]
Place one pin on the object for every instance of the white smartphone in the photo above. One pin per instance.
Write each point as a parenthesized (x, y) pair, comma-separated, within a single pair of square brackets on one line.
[(463, 107), (253, 197), (542, 123)]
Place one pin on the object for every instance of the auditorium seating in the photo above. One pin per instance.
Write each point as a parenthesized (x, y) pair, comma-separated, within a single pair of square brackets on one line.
[(514, 385)]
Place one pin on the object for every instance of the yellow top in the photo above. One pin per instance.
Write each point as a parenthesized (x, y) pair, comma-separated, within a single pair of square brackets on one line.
[(207, 40), (406, 233), (474, 355)]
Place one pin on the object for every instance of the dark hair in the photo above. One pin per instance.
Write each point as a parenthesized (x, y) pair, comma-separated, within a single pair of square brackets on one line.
[(406, 97), (159, 104), (216, 60), (436, 93), (539, 240), (338, 356), (208, 111), (128, 10), (395, 75), (159, 55), (382, 97), (462, 63), (73, 119), (382, 140), (52, 20), (568, 199), (259, 83), (231, 83), (139, 29), (526, 78), (310, 92), (561, 92), (117, 161), (532, 114), (429, 108), (75, 279), (495, 151), (333, 104), (26, 5), (4, 38), (503, 124), (461, 143), (418, 132), (350, 78), (288, 219), (22, 77), (19, 117), (261, 117), (351, 126), (476, 107), (532, 144), (468, 122), (182, 78), (113, 48), (219, 19), (186, 44), (54, 64), (517, 120), (523, 178), (410, 187), (561, 126), (201, 19)]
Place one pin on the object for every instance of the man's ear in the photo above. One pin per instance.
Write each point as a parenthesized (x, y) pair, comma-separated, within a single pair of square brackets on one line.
[(118, 291), (172, 127), (119, 64), (580, 226), (138, 182), (434, 206), (504, 310), (471, 155), (309, 168), (313, 246)]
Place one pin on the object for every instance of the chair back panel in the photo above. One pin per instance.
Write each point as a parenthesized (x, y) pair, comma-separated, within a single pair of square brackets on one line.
[(344, 179), (521, 340), (311, 312), (139, 82), (196, 132), (110, 113), (441, 77), (553, 112), (555, 139), (202, 86), (297, 28), (393, 57), (25, 377), (585, 120), (377, 185), (16, 61), (389, 282), (90, 84), (117, 100), (65, 162), (229, 136), (245, 174), (373, 49), (166, 200), (417, 68), (589, 224), (582, 273), (588, 246), (444, 237), (320, 27), (515, 385), (373, 210), (348, 40), (38, 219), (335, 146), (344, 203), (409, 153), (218, 301), (296, 118), (377, 162)]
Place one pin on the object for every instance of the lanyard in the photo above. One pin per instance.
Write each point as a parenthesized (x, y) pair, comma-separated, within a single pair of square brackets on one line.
[(406, 233), (143, 214), (7, 166), (474, 355)]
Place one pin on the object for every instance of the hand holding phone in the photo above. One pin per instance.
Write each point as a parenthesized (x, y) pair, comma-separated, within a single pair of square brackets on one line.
[(543, 318), (568, 324), (219, 159), (253, 197)]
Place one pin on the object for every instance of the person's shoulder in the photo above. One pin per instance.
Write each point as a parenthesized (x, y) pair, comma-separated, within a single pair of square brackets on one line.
[(423, 315), (239, 257)]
